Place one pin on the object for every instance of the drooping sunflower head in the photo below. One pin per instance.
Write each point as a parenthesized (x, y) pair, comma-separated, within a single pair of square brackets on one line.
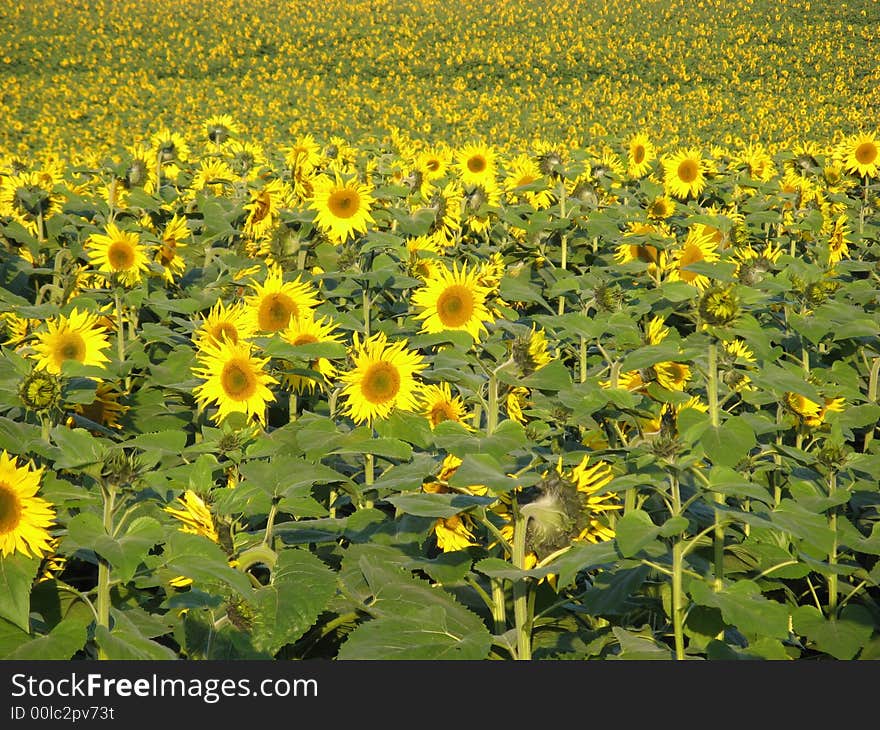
[(169, 146), (235, 380), (454, 533), (245, 158), (265, 207), (699, 246), (194, 515), (453, 300), (383, 378), (438, 405), (275, 301), (861, 154), (106, 409), (76, 337), (683, 174), (343, 207), (118, 254), (640, 155), (524, 171), (30, 197), (25, 519), (530, 351), (219, 128)]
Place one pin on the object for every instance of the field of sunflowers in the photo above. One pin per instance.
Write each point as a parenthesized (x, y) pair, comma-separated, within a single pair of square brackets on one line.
[(379, 330)]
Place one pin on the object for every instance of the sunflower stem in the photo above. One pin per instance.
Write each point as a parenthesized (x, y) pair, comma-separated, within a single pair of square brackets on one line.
[(582, 357), (563, 263), (270, 523), (369, 467), (103, 589), (120, 327), (521, 590), (864, 207), (832, 555), (678, 608), (492, 405), (872, 398), (499, 610), (366, 304), (714, 420)]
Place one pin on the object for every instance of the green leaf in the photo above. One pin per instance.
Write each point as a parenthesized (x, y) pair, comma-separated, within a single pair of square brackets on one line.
[(743, 606), (436, 505), (17, 573), (300, 589), (804, 524), (841, 638), (482, 469), (554, 376), (196, 557), (729, 443), (61, 643), (634, 531), (166, 442), (126, 641), (126, 553), (581, 557), (498, 568), (77, 447)]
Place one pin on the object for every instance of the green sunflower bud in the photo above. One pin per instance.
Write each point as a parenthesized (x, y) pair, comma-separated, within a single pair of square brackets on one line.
[(719, 305), (40, 391), (554, 517)]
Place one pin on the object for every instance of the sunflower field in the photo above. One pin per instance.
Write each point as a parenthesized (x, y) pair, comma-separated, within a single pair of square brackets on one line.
[(470, 340)]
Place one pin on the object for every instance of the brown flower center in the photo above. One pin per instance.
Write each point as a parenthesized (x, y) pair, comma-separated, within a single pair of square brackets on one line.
[(70, 346), (275, 312), (238, 380), (866, 153), (344, 203), (477, 164), (10, 509), (380, 383), (455, 305), (688, 171), (120, 254), (638, 154)]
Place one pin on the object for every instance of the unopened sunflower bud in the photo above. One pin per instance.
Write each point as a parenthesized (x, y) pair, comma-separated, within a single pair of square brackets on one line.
[(719, 305), (40, 391)]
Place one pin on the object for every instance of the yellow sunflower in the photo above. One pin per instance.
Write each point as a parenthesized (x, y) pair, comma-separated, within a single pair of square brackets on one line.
[(213, 175), (25, 519), (476, 164), (590, 481), (661, 208), (438, 405), (105, 409), (219, 128), (838, 240), (683, 174), (343, 208), (235, 380), (383, 379), (861, 154), (304, 330), (672, 375), (119, 254), (76, 337), (810, 413), (275, 301), (264, 208), (454, 533), (168, 146), (453, 300), (173, 237), (656, 258), (29, 198), (517, 399), (523, 170), (245, 158), (233, 323), (433, 164), (700, 245), (195, 516), (303, 156), (640, 155)]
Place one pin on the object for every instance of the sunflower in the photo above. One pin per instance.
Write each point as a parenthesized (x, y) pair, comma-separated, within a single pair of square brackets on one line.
[(453, 300), (433, 164), (517, 399), (683, 174), (661, 208), (275, 301), (118, 253), (480, 203), (861, 154), (522, 171), (25, 519), (810, 413), (234, 380), (383, 378), (838, 240), (438, 405), (758, 162), (343, 208), (448, 205), (699, 246), (168, 146), (76, 337), (245, 158), (672, 375), (264, 208), (30, 197), (173, 237), (307, 329), (656, 258), (213, 175), (192, 511), (589, 482), (105, 409), (219, 128), (655, 331), (530, 351), (476, 164), (233, 323), (454, 533), (640, 155), (303, 156)]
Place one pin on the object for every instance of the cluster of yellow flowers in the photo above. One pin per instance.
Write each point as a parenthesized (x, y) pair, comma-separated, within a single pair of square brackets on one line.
[(685, 71)]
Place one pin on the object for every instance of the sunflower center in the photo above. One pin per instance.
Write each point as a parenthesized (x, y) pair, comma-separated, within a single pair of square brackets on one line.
[(638, 154), (238, 380), (648, 254), (120, 254), (344, 203), (70, 346), (477, 164), (10, 509), (275, 312), (866, 153), (433, 165), (262, 207), (442, 412), (227, 330), (381, 382), (304, 339), (688, 171), (525, 180), (690, 255), (455, 305)]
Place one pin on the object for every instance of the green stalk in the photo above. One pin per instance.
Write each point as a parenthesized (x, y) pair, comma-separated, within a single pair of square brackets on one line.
[(492, 405), (366, 305), (677, 571), (369, 475), (563, 264), (120, 327), (872, 398), (582, 357), (712, 392), (521, 591), (499, 611), (832, 555), (103, 589)]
